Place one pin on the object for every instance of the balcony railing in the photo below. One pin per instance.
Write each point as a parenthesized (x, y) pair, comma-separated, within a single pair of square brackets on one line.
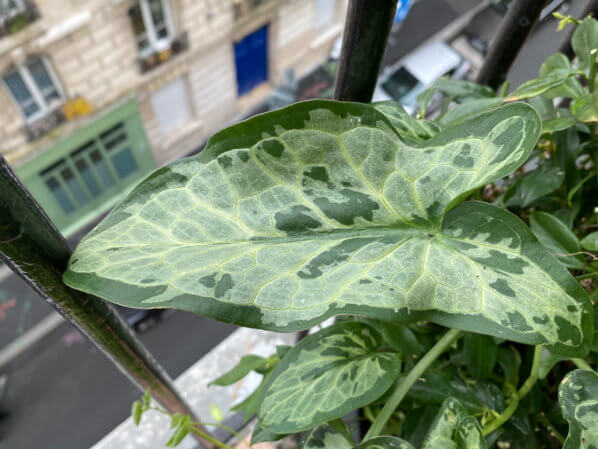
[(16, 15), (242, 8), (177, 45), (70, 109)]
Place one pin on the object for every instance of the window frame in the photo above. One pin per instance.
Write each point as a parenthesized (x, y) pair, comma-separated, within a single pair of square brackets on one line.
[(19, 8), (156, 44), (35, 91)]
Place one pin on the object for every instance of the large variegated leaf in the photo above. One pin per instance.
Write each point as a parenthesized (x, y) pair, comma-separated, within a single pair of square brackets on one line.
[(325, 376), (453, 428), (322, 208), (578, 396), (385, 443), (406, 125)]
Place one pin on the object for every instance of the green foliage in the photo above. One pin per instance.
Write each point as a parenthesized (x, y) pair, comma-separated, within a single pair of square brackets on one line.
[(325, 376), (400, 225), (578, 396)]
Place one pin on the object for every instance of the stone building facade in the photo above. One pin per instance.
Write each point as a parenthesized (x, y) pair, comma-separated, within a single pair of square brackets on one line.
[(96, 93)]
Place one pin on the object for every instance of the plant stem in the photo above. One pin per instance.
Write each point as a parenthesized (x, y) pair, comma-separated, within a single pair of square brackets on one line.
[(587, 276), (592, 77), (581, 364), (211, 439), (403, 387), (517, 396)]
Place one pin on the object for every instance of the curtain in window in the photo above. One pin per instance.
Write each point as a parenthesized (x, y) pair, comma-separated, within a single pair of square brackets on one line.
[(21, 94), (42, 78)]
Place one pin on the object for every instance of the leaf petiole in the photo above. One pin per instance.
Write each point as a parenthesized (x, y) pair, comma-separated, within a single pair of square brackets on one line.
[(403, 387)]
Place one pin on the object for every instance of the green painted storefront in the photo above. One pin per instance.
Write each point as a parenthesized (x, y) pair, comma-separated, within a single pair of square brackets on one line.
[(86, 174)]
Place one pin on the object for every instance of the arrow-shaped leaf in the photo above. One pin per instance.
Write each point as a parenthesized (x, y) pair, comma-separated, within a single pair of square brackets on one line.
[(323, 208), (578, 396), (453, 428), (325, 376)]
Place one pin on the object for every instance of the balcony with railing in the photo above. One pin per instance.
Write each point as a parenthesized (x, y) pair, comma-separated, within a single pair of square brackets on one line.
[(16, 15), (244, 8)]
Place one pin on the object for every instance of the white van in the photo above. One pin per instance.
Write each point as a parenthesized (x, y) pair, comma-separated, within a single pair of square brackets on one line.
[(417, 71)]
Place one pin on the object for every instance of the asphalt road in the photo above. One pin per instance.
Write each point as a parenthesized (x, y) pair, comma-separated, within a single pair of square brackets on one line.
[(65, 394)]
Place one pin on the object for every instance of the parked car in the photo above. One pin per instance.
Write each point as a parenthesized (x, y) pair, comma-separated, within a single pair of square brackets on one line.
[(418, 70)]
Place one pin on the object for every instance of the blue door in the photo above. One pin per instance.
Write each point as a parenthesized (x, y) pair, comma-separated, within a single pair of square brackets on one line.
[(251, 59)]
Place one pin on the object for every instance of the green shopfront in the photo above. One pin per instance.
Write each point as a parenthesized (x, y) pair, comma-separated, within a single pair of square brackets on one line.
[(84, 175)]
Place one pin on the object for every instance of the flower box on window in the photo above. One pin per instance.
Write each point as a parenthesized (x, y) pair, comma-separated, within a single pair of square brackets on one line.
[(38, 128), (153, 59), (16, 15)]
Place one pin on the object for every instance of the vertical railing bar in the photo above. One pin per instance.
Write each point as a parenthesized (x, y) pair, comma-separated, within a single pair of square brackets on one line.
[(366, 31), (515, 28), (33, 248)]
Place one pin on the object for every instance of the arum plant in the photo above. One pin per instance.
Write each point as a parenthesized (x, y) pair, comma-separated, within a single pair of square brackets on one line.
[(455, 321)]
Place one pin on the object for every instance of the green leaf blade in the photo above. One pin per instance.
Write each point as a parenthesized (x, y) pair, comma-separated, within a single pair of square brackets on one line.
[(578, 397), (385, 442), (325, 376), (292, 217), (324, 437), (590, 241), (247, 364), (557, 238)]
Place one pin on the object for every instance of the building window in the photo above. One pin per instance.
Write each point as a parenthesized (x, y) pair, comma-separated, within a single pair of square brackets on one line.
[(34, 88), (11, 8), (91, 170), (153, 26)]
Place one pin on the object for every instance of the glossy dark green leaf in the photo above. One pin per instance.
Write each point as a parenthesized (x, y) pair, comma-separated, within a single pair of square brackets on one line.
[(324, 437), (291, 217), (578, 396), (584, 41), (385, 442), (590, 241), (557, 238), (453, 428), (468, 109), (585, 107), (570, 88), (416, 424), (400, 338), (325, 376), (542, 84), (247, 364), (567, 144), (568, 215), (535, 184), (480, 354)]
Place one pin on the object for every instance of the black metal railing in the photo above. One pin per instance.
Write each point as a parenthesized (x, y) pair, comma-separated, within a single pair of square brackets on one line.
[(16, 15)]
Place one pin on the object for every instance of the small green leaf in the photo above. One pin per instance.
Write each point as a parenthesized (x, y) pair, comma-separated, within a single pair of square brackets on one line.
[(181, 431), (480, 354), (585, 107), (416, 424), (572, 87), (557, 238), (453, 428), (590, 241), (542, 84), (250, 404), (261, 435), (400, 338), (325, 376), (462, 89), (384, 442), (468, 109), (146, 400), (404, 123), (558, 124), (216, 412), (136, 412), (247, 364), (584, 41), (324, 437), (423, 98), (533, 185), (578, 396)]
